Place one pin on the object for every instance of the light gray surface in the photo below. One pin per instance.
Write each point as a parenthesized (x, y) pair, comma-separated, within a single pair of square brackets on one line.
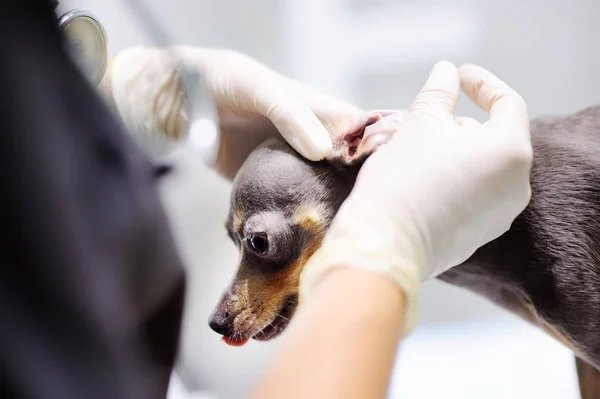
[(547, 50)]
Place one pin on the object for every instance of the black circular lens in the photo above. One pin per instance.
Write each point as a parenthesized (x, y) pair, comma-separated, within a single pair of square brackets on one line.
[(259, 243)]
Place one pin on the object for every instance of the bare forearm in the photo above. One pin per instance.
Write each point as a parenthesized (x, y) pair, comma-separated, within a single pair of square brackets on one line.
[(342, 343)]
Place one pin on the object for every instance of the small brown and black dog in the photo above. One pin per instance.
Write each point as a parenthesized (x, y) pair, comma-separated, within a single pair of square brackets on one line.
[(545, 269)]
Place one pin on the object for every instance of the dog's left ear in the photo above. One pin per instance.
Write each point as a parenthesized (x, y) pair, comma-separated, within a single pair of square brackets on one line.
[(364, 137)]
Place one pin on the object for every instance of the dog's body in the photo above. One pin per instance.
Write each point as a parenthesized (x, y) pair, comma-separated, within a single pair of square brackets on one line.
[(546, 268)]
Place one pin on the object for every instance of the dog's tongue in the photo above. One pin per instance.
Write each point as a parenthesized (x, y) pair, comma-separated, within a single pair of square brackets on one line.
[(234, 342)]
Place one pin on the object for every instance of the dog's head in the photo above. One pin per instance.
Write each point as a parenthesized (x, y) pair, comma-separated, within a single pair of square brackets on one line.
[(281, 206)]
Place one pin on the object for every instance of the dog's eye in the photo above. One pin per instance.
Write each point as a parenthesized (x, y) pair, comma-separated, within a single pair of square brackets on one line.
[(259, 242)]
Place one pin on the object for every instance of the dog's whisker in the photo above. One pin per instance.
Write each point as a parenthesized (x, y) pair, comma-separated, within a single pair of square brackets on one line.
[(283, 317)]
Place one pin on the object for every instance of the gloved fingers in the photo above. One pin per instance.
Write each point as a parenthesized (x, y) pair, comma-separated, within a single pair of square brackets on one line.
[(439, 95), (245, 85), (352, 130), (148, 95), (392, 113), (373, 141), (493, 95), (466, 122), (322, 103), (382, 131), (393, 116), (295, 120)]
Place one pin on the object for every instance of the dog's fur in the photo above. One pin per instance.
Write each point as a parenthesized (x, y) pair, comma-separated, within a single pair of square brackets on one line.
[(546, 268)]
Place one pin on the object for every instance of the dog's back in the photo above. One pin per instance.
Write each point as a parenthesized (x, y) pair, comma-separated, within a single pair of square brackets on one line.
[(546, 268)]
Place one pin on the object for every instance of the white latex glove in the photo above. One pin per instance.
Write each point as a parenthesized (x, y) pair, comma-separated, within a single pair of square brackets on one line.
[(252, 102), (438, 190)]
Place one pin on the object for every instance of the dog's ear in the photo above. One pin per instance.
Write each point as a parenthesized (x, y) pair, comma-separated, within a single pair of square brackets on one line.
[(364, 137)]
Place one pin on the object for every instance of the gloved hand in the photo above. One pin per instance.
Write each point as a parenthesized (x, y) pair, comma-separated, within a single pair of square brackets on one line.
[(438, 190), (252, 102)]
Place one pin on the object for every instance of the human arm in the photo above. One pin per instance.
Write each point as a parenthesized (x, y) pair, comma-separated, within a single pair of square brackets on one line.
[(353, 319)]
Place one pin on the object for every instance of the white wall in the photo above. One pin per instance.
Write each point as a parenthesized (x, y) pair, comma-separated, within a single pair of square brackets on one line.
[(547, 50)]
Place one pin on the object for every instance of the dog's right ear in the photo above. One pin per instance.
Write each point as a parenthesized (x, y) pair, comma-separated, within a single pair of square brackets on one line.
[(354, 147)]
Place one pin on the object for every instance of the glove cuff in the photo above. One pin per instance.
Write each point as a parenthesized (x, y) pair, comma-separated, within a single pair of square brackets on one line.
[(403, 273)]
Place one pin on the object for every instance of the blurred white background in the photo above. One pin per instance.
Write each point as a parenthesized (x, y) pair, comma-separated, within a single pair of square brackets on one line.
[(376, 53)]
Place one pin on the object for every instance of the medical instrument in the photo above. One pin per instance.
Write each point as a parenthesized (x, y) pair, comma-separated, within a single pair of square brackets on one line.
[(88, 45), (87, 41)]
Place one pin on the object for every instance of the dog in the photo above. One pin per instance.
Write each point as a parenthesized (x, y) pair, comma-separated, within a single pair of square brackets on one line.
[(545, 269)]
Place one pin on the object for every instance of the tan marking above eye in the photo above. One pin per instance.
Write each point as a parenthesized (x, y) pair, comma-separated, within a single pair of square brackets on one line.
[(238, 220), (310, 217)]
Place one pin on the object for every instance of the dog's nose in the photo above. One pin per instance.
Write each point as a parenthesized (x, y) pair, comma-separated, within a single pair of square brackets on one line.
[(219, 323)]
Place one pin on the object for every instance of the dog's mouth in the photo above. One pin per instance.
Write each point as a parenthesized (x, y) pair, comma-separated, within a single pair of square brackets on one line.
[(280, 321), (273, 329)]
